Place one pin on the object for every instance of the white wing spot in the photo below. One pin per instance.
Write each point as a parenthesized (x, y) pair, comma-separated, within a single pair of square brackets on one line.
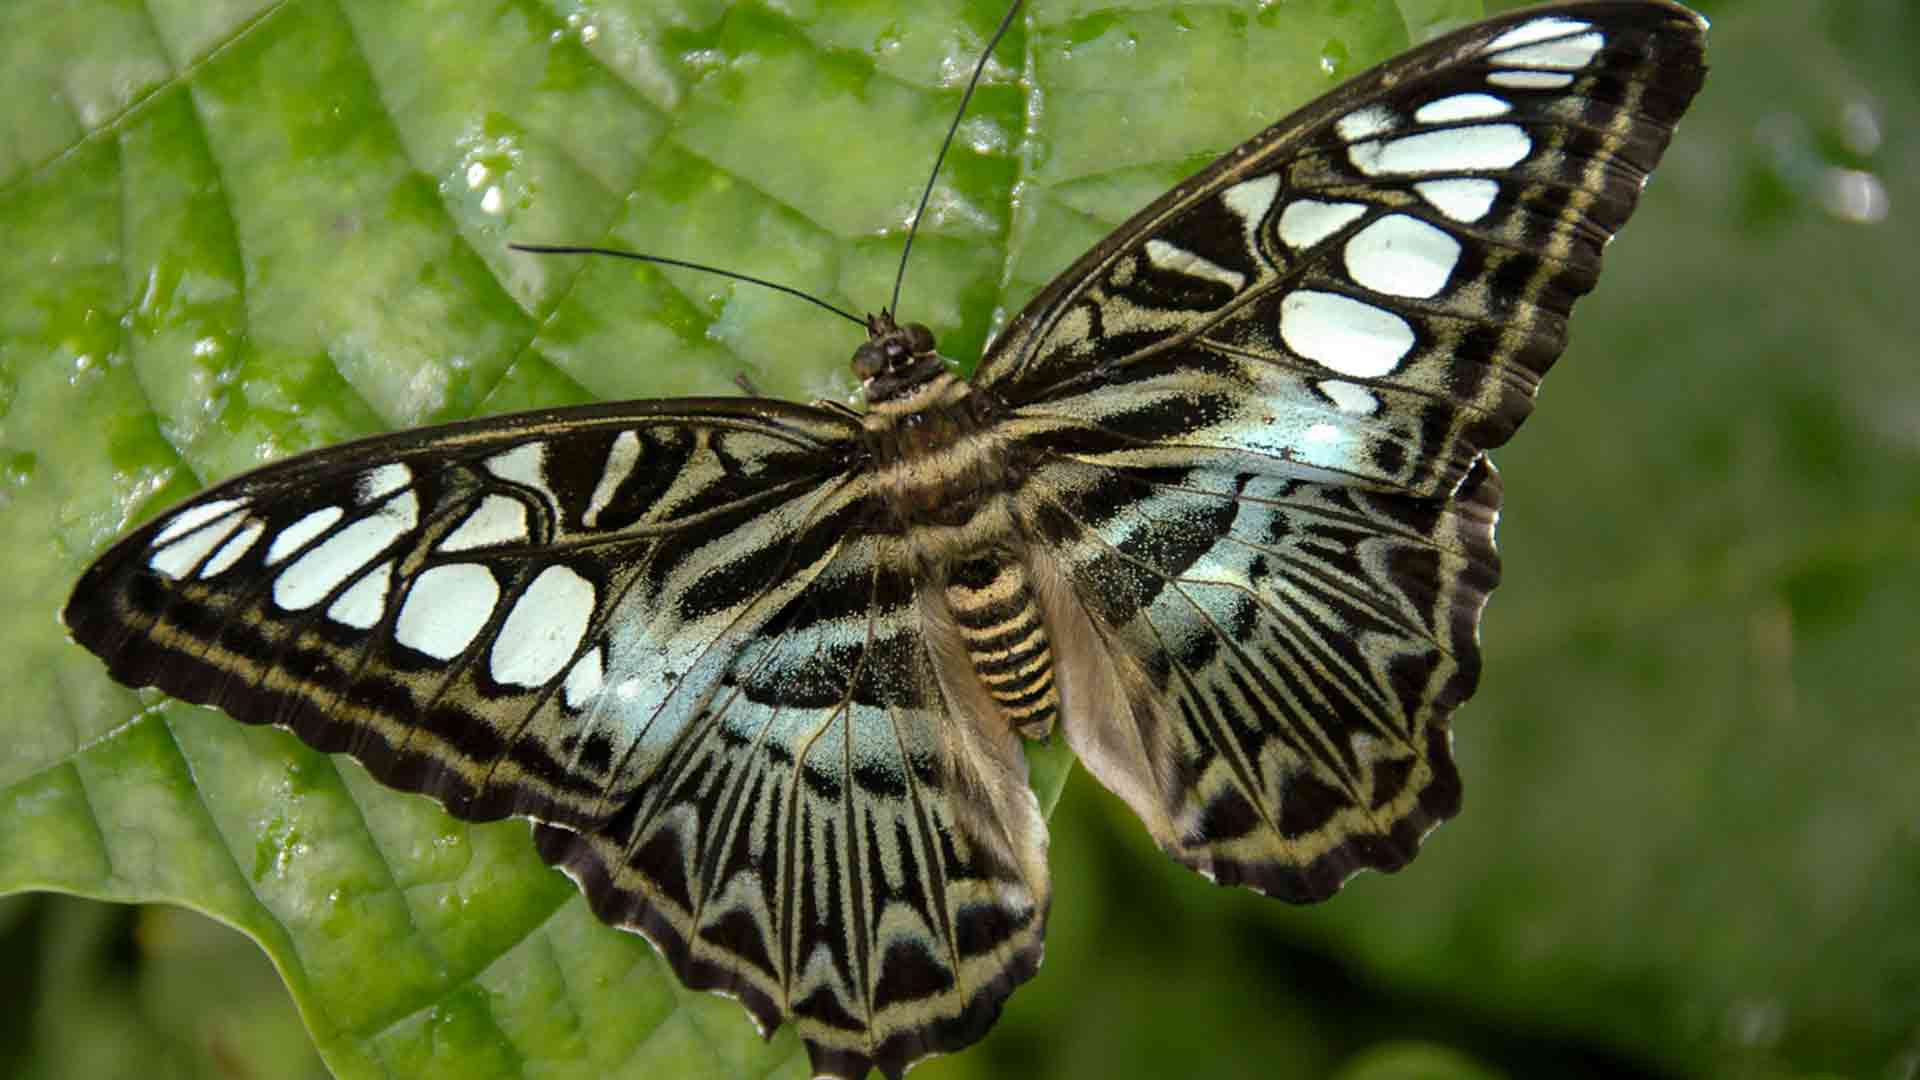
[(1464, 199), (1344, 335), (1167, 257), (1537, 30), (1365, 123), (1323, 433), (498, 519), (295, 536), (1250, 200), (584, 680), (524, 464), (195, 516), (621, 458), (1350, 397), (1530, 80), (1571, 54), (365, 601), (446, 609), (231, 551), (544, 628), (1306, 222), (377, 484), (1402, 256), (177, 559), (310, 578), (1484, 146), (1462, 107)]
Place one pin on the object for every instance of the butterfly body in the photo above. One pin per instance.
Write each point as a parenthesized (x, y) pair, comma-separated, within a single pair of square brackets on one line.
[(1216, 506), (949, 477)]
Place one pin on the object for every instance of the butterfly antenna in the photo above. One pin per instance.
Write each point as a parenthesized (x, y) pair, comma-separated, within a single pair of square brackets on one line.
[(958, 115), (566, 249)]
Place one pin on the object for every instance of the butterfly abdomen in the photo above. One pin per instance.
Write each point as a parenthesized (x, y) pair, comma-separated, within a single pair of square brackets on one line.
[(1006, 639)]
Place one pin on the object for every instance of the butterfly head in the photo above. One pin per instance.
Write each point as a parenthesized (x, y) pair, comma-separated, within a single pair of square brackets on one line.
[(895, 359)]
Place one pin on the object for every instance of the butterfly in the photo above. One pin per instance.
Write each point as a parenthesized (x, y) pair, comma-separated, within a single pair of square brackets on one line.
[(1216, 508)]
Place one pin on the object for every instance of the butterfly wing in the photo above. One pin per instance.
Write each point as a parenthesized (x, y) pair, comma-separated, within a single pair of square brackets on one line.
[(662, 630), (1258, 414), (816, 844), (1270, 662), (1371, 289), (447, 604)]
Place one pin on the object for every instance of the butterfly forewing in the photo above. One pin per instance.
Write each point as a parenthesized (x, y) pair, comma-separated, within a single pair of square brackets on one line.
[(450, 606), (1371, 289), (1217, 504)]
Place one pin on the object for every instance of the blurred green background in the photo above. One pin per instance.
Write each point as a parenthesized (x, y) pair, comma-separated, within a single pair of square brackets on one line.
[(240, 229)]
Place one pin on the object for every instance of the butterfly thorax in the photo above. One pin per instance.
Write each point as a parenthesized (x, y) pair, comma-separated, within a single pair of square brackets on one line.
[(933, 440)]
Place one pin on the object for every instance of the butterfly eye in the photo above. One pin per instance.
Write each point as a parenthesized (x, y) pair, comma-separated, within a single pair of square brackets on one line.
[(919, 338), (869, 360)]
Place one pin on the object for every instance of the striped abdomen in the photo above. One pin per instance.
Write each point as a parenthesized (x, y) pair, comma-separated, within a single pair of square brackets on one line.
[(1005, 638)]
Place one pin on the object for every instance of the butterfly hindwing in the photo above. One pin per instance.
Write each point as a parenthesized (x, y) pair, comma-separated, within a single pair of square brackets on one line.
[(813, 844), (1372, 288), (1291, 652)]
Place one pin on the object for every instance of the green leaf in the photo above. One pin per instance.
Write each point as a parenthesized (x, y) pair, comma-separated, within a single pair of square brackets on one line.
[(238, 231)]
